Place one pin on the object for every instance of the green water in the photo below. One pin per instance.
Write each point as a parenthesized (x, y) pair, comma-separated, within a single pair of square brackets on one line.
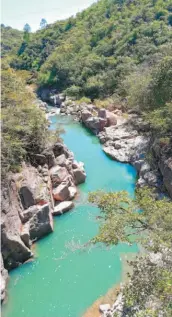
[(60, 282)]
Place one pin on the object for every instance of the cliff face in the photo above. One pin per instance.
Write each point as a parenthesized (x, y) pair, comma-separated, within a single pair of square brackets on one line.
[(127, 140), (31, 198), (163, 155)]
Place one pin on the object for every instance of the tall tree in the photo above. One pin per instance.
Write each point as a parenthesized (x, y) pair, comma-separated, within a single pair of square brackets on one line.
[(43, 23), (27, 30)]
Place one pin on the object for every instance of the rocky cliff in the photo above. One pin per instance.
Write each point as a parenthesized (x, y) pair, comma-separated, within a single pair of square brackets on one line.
[(127, 138), (30, 199)]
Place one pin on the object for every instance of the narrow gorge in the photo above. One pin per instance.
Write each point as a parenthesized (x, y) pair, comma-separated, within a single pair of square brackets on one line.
[(86, 159)]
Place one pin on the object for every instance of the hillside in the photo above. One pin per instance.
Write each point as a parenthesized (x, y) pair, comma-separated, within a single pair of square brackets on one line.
[(93, 53), (117, 54), (11, 40)]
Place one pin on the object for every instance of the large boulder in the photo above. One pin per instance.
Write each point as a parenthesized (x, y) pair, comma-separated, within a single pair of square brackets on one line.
[(49, 156), (60, 148), (41, 223), (102, 113), (63, 207), (58, 174), (46, 157), (111, 118), (79, 176), (28, 213), (31, 187), (85, 115), (25, 234), (95, 124), (61, 192), (61, 160), (14, 250), (72, 192)]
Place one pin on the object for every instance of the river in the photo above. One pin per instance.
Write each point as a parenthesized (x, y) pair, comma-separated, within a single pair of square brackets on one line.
[(60, 282)]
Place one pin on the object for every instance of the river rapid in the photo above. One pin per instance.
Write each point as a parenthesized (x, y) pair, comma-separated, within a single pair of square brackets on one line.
[(61, 282)]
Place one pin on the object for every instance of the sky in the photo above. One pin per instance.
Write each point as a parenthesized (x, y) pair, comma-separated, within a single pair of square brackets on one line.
[(16, 13)]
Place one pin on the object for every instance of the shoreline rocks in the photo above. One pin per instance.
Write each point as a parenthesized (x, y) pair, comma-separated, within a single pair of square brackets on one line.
[(125, 138), (32, 198)]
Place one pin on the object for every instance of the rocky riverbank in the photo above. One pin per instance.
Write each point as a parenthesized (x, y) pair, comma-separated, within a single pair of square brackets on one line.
[(126, 138), (30, 199)]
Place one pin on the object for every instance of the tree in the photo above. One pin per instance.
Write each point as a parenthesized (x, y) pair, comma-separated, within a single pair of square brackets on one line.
[(148, 221), (27, 30), (43, 23)]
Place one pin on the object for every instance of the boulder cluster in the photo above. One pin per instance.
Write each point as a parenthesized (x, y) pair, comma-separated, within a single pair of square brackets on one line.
[(30, 200), (92, 117)]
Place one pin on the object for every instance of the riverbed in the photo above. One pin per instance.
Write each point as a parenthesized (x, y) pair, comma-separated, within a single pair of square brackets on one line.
[(62, 281)]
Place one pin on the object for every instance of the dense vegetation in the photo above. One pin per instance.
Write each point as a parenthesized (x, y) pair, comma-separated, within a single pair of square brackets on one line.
[(116, 48), (24, 127), (11, 40), (118, 51), (149, 293), (93, 53)]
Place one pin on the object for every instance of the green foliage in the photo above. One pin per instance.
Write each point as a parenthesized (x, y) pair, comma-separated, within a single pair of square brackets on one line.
[(161, 120), (11, 40), (97, 49), (149, 292), (120, 220), (24, 127)]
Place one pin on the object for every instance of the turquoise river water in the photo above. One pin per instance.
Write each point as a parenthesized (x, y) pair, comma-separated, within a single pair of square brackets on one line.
[(61, 282)]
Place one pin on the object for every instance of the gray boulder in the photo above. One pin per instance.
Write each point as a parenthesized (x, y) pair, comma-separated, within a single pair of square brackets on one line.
[(95, 124), (13, 249), (58, 174), (63, 207), (61, 160), (31, 187), (79, 176), (25, 234), (85, 115), (41, 223), (111, 118), (102, 113), (72, 192), (61, 192)]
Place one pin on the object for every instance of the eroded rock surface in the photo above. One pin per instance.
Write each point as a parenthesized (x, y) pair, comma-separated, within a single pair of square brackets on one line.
[(28, 203)]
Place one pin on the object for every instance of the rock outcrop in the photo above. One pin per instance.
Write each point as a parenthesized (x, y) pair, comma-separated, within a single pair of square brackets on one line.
[(125, 138), (51, 96), (163, 156), (92, 117), (30, 200)]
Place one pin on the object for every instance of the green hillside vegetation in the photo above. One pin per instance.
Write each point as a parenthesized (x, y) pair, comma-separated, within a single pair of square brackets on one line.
[(92, 54), (117, 52), (24, 127), (11, 40)]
